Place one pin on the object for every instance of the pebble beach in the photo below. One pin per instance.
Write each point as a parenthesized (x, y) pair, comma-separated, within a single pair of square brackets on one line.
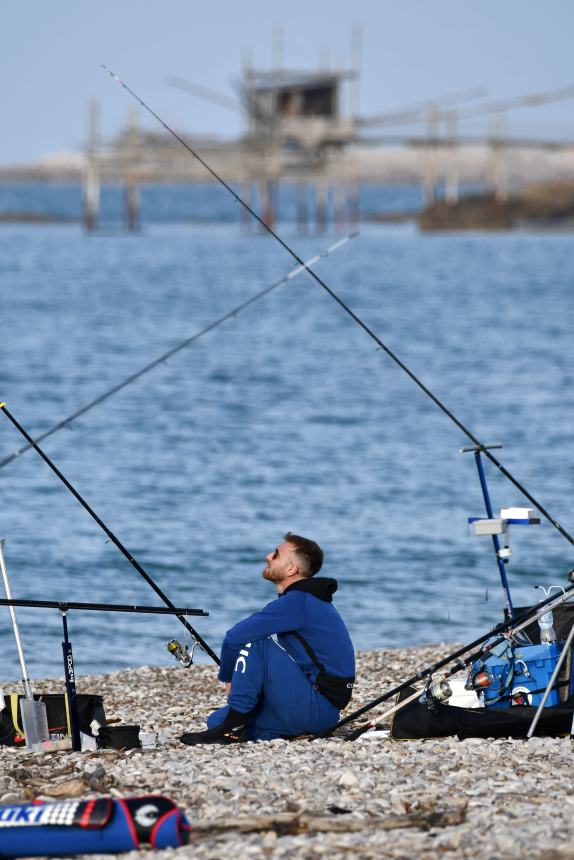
[(305, 799)]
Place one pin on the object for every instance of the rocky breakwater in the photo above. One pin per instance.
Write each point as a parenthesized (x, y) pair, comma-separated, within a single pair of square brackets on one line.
[(304, 799)]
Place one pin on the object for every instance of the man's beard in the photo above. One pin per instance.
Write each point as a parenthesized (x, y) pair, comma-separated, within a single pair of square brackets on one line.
[(269, 575)]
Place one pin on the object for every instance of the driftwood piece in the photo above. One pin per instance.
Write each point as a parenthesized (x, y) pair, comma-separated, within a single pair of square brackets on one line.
[(292, 824)]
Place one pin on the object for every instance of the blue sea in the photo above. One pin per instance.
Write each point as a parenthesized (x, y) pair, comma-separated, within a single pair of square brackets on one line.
[(285, 418)]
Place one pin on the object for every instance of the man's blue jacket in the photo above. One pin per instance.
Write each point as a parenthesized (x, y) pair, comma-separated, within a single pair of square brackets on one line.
[(305, 607)]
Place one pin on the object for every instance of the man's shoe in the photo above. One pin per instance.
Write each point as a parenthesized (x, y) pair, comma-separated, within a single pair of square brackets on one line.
[(231, 731)]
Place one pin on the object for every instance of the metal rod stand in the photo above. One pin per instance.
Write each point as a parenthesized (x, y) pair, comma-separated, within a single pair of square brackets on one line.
[(65, 605), (70, 678), (551, 682), (495, 541)]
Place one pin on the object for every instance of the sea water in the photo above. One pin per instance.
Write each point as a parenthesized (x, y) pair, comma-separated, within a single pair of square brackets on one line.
[(285, 418)]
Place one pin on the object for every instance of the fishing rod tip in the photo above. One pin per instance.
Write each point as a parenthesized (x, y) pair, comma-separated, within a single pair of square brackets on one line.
[(109, 71)]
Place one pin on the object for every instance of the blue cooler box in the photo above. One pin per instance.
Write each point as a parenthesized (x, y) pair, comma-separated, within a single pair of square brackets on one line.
[(533, 668)]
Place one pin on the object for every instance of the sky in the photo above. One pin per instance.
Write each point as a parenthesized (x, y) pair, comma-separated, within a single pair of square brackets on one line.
[(413, 50)]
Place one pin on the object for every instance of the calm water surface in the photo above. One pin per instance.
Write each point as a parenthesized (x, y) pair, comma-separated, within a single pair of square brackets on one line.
[(285, 418)]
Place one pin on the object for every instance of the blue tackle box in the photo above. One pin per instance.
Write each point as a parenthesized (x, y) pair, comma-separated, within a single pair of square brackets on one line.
[(518, 671)]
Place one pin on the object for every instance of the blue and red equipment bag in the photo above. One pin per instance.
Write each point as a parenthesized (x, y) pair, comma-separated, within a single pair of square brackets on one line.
[(100, 826)]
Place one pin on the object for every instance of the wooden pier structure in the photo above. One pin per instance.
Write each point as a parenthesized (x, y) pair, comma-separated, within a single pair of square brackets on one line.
[(296, 133), (303, 129)]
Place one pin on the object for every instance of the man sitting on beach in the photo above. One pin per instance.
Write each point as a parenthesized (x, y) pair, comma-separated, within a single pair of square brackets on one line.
[(299, 683)]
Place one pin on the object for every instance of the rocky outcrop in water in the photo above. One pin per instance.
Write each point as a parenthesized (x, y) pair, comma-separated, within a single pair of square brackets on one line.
[(548, 205)]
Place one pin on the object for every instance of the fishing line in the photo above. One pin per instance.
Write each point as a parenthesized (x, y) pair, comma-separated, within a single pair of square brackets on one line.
[(201, 642), (351, 313), (183, 345)]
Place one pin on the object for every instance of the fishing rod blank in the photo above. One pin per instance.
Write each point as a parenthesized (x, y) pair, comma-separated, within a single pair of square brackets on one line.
[(201, 642), (65, 422), (345, 307), (513, 625)]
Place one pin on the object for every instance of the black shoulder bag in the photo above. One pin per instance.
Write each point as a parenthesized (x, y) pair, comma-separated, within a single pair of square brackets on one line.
[(336, 690)]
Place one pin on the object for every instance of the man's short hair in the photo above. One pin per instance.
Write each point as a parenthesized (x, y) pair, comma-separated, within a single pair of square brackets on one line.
[(309, 554)]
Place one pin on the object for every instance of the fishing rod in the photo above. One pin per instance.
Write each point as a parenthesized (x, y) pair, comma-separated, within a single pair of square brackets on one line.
[(183, 345), (347, 309), (201, 642), (507, 628)]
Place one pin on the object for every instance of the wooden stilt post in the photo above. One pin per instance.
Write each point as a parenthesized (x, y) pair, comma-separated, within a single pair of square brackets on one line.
[(354, 203), (452, 171), (302, 208), (321, 205), (340, 205), (131, 186), (91, 176), (247, 195), (132, 203), (267, 192)]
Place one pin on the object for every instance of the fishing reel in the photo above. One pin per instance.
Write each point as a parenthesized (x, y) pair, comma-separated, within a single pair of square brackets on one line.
[(437, 691), (478, 680), (181, 652)]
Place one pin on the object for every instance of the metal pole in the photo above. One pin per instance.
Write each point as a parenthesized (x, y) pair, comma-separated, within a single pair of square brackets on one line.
[(25, 678), (495, 541), (551, 683)]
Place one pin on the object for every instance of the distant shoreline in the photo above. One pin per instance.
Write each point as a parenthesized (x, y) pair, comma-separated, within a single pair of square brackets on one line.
[(25, 217)]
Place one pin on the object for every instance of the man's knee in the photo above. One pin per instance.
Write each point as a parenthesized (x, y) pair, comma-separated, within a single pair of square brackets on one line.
[(242, 658)]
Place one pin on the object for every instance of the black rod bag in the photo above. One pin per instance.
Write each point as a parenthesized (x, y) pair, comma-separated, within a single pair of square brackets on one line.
[(416, 721)]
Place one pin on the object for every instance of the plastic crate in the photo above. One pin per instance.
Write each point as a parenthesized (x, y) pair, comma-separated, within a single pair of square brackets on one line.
[(533, 667)]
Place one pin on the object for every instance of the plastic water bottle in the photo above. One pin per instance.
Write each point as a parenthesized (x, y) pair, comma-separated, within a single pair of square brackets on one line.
[(547, 633)]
